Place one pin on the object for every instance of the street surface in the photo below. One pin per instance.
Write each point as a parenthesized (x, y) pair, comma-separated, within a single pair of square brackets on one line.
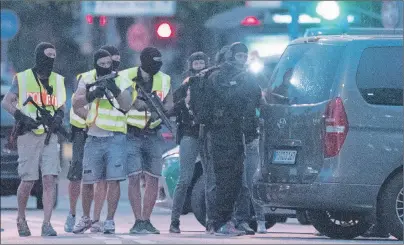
[(192, 232)]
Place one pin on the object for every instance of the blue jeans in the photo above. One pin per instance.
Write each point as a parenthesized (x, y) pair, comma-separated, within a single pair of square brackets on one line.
[(104, 158), (189, 150), (243, 204)]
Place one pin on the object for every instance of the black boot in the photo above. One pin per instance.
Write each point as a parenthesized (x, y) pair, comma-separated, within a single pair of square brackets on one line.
[(175, 226), (376, 231)]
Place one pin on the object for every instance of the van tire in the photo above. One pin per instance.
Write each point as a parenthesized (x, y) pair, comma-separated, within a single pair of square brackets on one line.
[(198, 201), (389, 200), (326, 223)]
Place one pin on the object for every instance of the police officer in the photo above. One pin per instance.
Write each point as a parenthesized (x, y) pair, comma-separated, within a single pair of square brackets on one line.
[(230, 96), (79, 135), (187, 137), (48, 91), (104, 150), (199, 105), (144, 138)]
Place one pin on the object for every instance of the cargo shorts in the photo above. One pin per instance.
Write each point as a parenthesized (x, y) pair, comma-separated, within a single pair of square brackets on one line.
[(145, 154), (104, 158), (34, 155)]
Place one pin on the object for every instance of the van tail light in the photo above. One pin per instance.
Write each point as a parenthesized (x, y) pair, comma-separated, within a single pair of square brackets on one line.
[(336, 127)]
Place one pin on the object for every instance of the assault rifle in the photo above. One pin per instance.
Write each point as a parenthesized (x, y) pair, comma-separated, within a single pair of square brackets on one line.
[(102, 81), (46, 119), (154, 103)]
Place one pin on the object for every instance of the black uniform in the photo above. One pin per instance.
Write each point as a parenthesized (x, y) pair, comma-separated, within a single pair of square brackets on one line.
[(230, 101)]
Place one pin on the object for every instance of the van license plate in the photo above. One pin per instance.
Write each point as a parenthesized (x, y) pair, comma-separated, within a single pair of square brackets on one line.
[(284, 157)]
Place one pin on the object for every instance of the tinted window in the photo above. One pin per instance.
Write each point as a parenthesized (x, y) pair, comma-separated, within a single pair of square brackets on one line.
[(380, 75), (305, 74)]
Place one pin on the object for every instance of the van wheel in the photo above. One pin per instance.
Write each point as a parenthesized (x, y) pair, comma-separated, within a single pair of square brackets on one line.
[(301, 216), (392, 207), (198, 201), (339, 225)]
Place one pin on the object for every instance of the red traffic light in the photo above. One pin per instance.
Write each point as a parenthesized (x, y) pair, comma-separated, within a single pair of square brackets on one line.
[(103, 20), (251, 21), (165, 30), (89, 19)]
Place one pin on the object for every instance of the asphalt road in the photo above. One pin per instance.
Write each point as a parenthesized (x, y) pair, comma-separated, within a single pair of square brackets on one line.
[(192, 232)]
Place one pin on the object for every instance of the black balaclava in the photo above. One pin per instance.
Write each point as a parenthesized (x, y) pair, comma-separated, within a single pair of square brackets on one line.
[(197, 56), (221, 55), (101, 71), (43, 63), (113, 51), (233, 50), (150, 59)]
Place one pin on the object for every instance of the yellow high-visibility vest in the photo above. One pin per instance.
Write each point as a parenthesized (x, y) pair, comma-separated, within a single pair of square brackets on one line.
[(161, 84), (103, 114), (28, 86)]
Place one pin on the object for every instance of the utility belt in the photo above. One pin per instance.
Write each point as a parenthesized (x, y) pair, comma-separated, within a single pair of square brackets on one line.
[(135, 131)]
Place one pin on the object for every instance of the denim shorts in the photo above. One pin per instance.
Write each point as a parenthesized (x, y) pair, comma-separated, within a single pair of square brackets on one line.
[(144, 154), (104, 158)]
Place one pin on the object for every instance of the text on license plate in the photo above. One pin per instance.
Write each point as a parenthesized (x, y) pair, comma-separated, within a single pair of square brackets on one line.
[(284, 157)]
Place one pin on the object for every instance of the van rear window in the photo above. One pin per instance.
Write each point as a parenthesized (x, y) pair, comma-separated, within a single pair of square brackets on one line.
[(305, 74)]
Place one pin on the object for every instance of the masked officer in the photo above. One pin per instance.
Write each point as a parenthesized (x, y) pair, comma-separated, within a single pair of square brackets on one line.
[(229, 97), (48, 91), (79, 135), (104, 150), (144, 138), (187, 137), (198, 105)]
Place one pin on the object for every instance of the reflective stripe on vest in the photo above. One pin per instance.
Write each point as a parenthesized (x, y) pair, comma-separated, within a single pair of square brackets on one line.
[(161, 84), (75, 120), (103, 114), (28, 86), (84, 74)]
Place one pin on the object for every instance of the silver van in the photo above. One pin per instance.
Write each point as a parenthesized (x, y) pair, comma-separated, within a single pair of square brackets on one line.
[(332, 134)]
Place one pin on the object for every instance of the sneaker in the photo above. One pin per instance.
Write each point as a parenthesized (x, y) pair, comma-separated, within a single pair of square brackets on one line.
[(83, 225), (261, 228), (175, 226), (228, 229), (23, 229), (47, 230), (109, 227), (243, 226), (97, 227), (138, 227), (70, 222), (150, 229)]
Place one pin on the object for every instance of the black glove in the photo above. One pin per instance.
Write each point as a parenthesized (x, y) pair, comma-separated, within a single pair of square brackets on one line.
[(98, 92), (111, 86), (58, 118), (154, 116), (29, 123)]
